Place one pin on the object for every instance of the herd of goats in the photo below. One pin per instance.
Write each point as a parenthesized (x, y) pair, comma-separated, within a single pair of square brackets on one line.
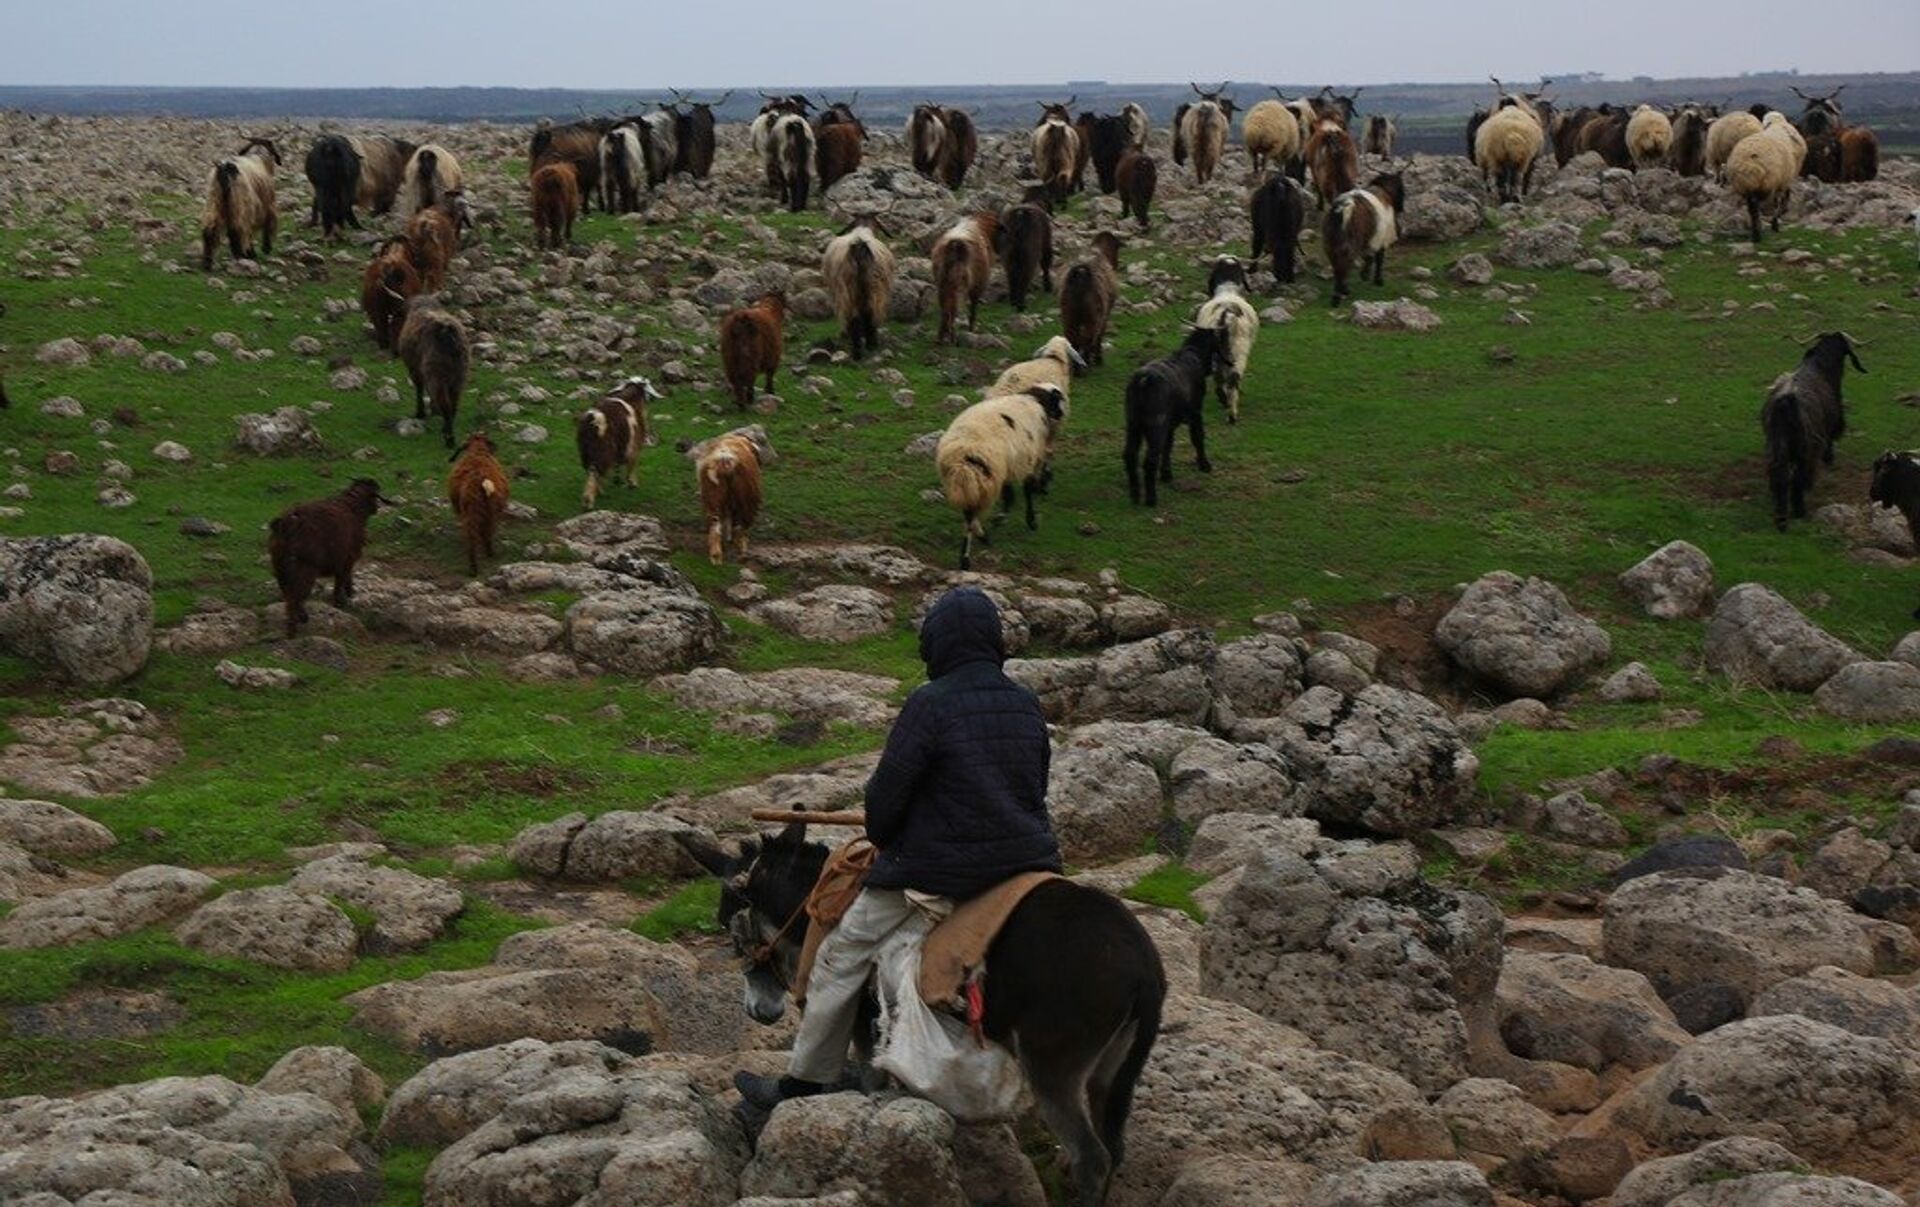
[(1297, 146)]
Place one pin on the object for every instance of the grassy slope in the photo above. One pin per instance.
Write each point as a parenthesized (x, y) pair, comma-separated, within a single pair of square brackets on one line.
[(1426, 463)]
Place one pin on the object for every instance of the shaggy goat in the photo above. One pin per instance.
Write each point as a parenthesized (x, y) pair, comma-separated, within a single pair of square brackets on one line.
[(1802, 417), (333, 169), (1726, 133), (760, 136), (1271, 131), (1138, 127), (383, 164), (1087, 295), (790, 156), (962, 264), (1136, 177), (1333, 161), (959, 148), (859, 269), (752, 339), (1605, 134), (579, 144), (1024, 241), (620, 168), (433, 236), (477, 487), (1104, 139), (431, 174), (992, 445), (1279, 213), (240, 203), (1762, 168), (693, 127), (837, 152), (433, 344), (1381, 131), (1361, 225), (389, 280), (1227, 310), (926, 139), (1507, 146), (1203, 129), (659, 133), (1896, 483), (728, 471), (1649, 137), (1689, 152), (1821, 114), (610, 435), (1056, 150), (1859, 154), (1162, 396), (555, 196), (323, 538)]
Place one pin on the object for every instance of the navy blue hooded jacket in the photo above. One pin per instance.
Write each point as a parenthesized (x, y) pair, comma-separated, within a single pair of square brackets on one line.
[(959, 800)]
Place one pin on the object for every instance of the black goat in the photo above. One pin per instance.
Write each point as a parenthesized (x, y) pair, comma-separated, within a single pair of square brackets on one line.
[(1802, 417), (1896, 483), (1109, 136), (1024, 241), (1278, 211), (1163, 395), (333, 168)]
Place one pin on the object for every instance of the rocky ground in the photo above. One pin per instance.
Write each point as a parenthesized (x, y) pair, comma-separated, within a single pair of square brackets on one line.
[(1406, 968)]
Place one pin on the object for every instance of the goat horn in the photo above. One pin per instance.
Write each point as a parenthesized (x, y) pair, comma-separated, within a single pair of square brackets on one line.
[(722, 100), (1803, 96), (1858, 343), (1802, 340)]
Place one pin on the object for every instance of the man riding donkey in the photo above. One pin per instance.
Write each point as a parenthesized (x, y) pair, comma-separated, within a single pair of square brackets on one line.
[(956, 806)]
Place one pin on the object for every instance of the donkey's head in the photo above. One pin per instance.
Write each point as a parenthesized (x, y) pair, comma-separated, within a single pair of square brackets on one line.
[(762, 892)]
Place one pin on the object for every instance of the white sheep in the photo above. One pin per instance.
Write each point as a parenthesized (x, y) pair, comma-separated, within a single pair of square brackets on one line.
[(1229, 310), (1270, 131), (1053, 364), (1724, 135), (1762, 167), (1783, 126), (991, 446), (240, 203), (431, 174), (1649, 137), (1506, 146), (859, 270)]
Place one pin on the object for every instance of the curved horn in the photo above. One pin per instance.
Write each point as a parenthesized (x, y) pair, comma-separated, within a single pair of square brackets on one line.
[(722, 100), (1068, 103), (1802, 340), (1858, 343), (1496, 82), (1803, 96)]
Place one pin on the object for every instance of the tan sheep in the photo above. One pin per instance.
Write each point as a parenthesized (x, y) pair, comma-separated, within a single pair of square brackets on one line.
[(1724, 135), (1271, 131), (1761, 170), (1649, 137), (1506, 146), (431, 174), (988, 448)]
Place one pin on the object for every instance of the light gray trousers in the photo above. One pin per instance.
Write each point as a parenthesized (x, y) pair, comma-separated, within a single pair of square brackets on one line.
[(840, 970)]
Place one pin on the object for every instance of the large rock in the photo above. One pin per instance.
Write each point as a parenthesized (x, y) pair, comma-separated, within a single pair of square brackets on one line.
[(328, 1072), (1717, 927), (613, 846), (1521, 635), (1862, 1005), (1493, 1120), (836, 612), (1566, 1008), (49, 829), (642, 617), (800, 692), (1553, 245), (1662, 1180), (1841, 1101), (1104, 803), (1259, 676), (1214, 776), (81, 605), (1225, 841), (1872, 693), (1673, 581), (1386, 759), (1758, 639), (1165, 678), (1359, 952), (636, 1137), (895, 1149), (1793, 1189), (1439, 214), (283, 433), (453, 1095), (1404, 1184), (408, 909), (276, 926), (143, 897)]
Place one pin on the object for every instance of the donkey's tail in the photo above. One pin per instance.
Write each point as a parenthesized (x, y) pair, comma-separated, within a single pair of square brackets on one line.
[(1146, 1029)]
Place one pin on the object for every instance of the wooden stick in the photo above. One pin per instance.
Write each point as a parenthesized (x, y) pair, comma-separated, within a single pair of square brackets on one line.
[(845, 817)]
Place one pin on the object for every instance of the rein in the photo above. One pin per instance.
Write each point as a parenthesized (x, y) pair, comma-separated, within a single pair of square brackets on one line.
[(763, 954)]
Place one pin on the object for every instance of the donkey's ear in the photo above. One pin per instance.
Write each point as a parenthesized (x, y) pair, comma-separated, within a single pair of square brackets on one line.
[(715, 861)]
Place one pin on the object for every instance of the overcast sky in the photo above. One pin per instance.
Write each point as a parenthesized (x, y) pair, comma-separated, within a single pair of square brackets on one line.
[(621, 44)]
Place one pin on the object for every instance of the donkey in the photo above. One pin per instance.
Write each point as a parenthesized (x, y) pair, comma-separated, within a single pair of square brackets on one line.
[(1074, 988)]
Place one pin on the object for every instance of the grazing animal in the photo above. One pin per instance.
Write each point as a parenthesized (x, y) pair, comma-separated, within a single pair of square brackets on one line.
[(760, 135), (1228, 310), (1821, 114), (478, 490), (1332, 160), (1724, 134), (791, 159), (1689, 152), (1762, 169), (962, 263), (926, 138), (659, 133), (841, 113), (1107, 137), (431, 174), (859, 270), (240, 203), (333, 168), (728, 472), (1279, 213), (1802, 417), (991, 446), (1477, 120), (1138, 127), (1137, 177), (610, 435), (1823, 159), (1896, 483), (1859, 154), (621, 166), (1507, 146), (433, 236), (556, 198), (693, 127), (1271, 132), (1380, 135), (1024, 241), (1053, 364), (752, 339), (1162, 396), (1203, 129), (1087, 295), (837, 152), (1076, 989), (958, 150), (1563, 133), (1083, 148), (321, 539), (1056, 150), (1361, 226), (389, 280), (1330, 106), (383, 165), (1649, 137), (433, 344), (580, 144), (1605, 134)]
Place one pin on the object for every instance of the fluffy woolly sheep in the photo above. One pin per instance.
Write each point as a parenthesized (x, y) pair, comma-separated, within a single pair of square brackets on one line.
[(991, 446), (1054, 364), (1724, 135), (433, 344), (431, 174), (859, 270), (478, 490), (1203, 131), (962, 264), (1649, 137), (610, 435), (1228, 311), (728, 472), (1271, 131), (1761, 170), (1506, 147), (240, 203)]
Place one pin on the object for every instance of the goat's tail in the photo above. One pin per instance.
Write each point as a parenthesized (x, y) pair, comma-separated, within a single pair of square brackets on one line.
[(860, 256), (951, 272), (225, 177), (1786, 448)]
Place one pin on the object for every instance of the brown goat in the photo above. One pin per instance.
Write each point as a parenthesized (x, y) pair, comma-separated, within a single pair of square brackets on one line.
[(1332, 161), (611, 434), (1361, 225), (1025, 244), (577, 145), (433, 237), (1859, 154), (556, 197), (836, 152), (433, 344), (323, 538), (962, 263), (752, 340), (478, 490), (1136, 176), (1087, 296), (389, 280), (729, 476), (958, 150)]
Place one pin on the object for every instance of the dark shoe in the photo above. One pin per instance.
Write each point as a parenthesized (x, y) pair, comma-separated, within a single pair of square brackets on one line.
[(765, 1093)]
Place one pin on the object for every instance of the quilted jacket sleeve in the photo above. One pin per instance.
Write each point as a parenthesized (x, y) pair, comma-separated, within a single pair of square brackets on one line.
[(890, 790)]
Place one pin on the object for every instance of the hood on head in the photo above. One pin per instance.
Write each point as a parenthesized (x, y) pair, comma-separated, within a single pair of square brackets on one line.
[(962, 626)]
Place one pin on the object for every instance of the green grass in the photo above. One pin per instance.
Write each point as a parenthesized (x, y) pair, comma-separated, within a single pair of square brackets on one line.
[(1171, 885), (691, 910)]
